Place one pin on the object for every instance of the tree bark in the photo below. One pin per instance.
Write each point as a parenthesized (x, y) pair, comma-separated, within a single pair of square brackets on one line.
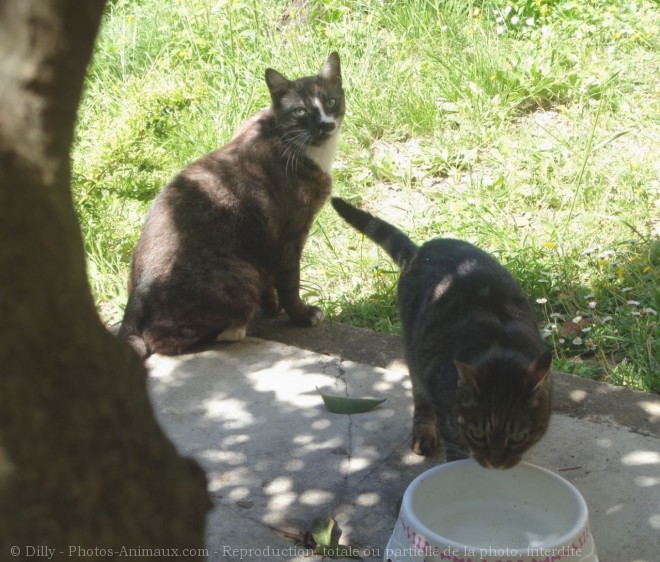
[(83, 463)]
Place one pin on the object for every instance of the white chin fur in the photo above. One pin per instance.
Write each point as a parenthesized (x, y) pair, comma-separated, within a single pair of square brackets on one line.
[(324, 154)]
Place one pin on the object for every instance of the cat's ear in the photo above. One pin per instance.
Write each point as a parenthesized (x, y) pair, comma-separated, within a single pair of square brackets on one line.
[(467, 375), (275, 81), (332, 69), (539, 370)]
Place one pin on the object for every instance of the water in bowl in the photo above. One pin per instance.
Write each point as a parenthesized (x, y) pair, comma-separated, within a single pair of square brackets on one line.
[(496, 523)]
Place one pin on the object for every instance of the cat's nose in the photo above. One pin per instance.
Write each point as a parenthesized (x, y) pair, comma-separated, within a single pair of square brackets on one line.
[(326, 126)]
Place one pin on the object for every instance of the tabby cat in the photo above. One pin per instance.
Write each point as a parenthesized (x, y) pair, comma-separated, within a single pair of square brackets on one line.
[(226, 235), (476, 359)]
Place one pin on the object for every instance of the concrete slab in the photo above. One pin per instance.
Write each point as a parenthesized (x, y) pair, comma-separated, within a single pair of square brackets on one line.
[(276, 458)]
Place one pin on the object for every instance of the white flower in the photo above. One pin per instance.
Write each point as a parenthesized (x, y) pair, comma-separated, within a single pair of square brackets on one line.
[(541, 301), (507, 10), (562, 340), (529, 22), (585, 330), (592, 304), (577, 320), (649, 311), (515, 20), (500, 30), (633, 303), (577, 341)]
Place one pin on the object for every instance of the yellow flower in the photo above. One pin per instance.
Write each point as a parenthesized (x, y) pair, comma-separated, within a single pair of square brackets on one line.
[(550, 245)]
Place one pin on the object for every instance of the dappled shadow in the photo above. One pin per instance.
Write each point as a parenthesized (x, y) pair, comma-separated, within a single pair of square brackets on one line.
[(275, 458), (618, 473)]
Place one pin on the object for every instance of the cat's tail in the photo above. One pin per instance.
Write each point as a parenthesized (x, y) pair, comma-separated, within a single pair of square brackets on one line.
[(400, 248), (129, 330)]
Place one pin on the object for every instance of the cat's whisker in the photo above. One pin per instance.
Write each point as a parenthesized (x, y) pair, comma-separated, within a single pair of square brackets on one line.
[(294, 143)]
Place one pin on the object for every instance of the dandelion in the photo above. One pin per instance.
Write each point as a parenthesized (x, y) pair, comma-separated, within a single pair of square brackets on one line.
[(541, 301), (550, 245), (577, 341)]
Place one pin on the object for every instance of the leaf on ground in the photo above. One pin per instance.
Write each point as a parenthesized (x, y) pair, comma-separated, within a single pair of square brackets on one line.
[(326, 535), (322, 531), (348, 405)]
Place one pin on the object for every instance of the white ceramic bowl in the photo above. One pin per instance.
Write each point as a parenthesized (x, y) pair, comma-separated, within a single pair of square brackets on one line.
[(460, 511)]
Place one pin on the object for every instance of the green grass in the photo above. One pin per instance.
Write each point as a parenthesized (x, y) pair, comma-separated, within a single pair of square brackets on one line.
[(530, 128)]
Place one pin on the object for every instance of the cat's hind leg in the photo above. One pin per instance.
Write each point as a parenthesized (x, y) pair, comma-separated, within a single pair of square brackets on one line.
[(232, 334), (270, 302)]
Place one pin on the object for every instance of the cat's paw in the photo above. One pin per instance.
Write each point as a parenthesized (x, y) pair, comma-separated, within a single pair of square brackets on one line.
[(232, 334), (316, 315), (425, 440), (424, 445), (313, 317)]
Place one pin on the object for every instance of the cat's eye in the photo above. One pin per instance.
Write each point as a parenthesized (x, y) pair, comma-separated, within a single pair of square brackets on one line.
[(299, 112), (331, 103), (477, 434), (517, 438)]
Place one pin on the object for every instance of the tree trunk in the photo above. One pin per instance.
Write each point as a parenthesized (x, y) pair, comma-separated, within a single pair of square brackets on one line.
[(83, 463)]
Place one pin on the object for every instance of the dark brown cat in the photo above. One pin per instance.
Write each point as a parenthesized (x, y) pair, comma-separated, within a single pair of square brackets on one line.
[(477, 362), (226, 235)]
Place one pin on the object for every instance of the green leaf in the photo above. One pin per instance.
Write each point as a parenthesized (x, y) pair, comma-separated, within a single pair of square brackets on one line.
[(322, 530), (347, 405), (326, 535)]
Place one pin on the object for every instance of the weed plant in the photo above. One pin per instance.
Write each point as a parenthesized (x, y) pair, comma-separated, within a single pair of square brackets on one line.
[(527, 127)]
